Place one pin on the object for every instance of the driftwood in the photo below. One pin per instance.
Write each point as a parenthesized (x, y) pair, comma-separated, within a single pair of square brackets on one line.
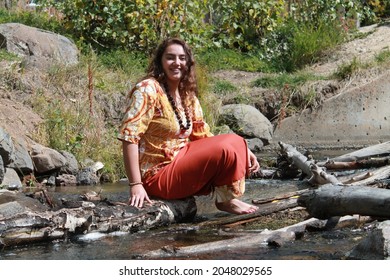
[(318, 172), (317, 175), (23, 220), (334, 200), (379, 150), (264, 238), (295, 158), (367, 177), (331, 164)]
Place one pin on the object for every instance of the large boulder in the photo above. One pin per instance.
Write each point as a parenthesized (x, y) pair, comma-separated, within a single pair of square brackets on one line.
[(247, 121), (39, 48), (46, 159)]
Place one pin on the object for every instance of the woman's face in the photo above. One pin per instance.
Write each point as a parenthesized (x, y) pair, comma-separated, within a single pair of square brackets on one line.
[(174, 62)]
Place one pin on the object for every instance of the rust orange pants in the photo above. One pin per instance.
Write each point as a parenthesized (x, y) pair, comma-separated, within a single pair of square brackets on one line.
[(201, 167)]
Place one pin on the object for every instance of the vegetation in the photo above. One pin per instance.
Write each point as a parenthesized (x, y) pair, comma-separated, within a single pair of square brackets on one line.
[(116, 37)]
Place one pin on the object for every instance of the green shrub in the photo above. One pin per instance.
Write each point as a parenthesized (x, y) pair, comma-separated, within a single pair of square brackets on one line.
[(296, 44), (221, 59)]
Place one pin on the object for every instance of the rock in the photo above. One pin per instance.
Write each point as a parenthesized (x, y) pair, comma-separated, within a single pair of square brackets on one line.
[(2, 170), (255, 144), (39, 48), (6, 147), (11, 180), (87, 176), (22, 160), (66, 180), (247, 121), (71, 166), (375, 246), (46, 159)]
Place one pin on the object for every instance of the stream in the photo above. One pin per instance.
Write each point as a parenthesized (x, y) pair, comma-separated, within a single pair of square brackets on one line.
[(322, 245)]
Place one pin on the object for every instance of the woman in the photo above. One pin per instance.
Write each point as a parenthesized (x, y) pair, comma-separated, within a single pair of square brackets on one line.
[(168, 149)]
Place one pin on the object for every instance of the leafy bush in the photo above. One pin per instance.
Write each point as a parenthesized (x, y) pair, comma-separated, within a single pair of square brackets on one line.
[(296, 44), (140, 24)]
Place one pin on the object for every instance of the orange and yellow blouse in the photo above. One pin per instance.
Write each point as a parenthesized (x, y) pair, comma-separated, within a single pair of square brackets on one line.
[(150, 122)]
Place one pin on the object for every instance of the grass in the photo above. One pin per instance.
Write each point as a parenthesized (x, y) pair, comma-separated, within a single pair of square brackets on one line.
[(74, 118), (7, 56), (285, 79), (347, 70), (221, 87), (383, 58), (224, 59)]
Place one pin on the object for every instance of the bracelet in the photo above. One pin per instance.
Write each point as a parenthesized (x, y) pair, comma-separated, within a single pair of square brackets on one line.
[(135, 183)]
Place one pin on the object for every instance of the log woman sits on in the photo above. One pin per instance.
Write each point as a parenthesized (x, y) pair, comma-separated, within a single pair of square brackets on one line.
[(168, 149)]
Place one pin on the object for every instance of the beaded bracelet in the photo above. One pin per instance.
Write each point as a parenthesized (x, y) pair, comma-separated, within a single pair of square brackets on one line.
[(135, 183)]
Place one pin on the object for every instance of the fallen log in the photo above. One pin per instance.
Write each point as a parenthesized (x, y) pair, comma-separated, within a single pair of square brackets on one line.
[(358, 164), (369, 177), (296, 158), (335, 200), (21, 222), (321, 177), (317, 175), (382, 149), (254, 240)]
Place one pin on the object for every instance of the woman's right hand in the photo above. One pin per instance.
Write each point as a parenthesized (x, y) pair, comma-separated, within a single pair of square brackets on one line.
[(138, 196)]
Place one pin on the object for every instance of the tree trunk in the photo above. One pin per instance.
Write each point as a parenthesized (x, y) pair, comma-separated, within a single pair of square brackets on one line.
[(21, 222), (378, 150), (275, 238), (335, 200)]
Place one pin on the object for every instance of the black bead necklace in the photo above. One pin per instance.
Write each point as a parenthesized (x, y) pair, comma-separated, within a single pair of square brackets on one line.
[(178, 115)]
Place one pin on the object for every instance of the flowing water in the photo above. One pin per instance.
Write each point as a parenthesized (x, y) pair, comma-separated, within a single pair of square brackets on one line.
[(329, 245)]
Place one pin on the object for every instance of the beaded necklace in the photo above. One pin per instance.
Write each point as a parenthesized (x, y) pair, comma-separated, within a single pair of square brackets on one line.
[(178, 115)]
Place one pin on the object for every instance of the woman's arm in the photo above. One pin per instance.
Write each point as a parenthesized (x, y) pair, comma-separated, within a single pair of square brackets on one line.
[(131, 160)]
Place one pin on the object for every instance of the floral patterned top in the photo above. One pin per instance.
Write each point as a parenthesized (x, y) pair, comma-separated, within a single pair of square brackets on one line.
[(151, 123)]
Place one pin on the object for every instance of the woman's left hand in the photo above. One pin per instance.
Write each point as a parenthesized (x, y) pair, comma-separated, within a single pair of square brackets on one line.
[(254, 165)]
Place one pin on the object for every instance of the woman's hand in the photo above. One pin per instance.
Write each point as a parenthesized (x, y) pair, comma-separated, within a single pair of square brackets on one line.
[(254, 165), (138, 196)]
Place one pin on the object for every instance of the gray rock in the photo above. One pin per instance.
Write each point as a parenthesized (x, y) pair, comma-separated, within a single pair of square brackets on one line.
[(2, 170), (255, 144), (87, 176), (6, 147), (46, 159), (22, 160), (247, 121), (66, 180), (71, 166), (11, 180), (375, 246), (39, 48)]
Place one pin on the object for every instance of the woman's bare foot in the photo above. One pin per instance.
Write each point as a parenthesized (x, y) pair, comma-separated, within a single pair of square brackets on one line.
[(236, 206)]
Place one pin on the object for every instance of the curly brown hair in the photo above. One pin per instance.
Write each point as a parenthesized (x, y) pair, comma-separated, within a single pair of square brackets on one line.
[(188, 84)]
